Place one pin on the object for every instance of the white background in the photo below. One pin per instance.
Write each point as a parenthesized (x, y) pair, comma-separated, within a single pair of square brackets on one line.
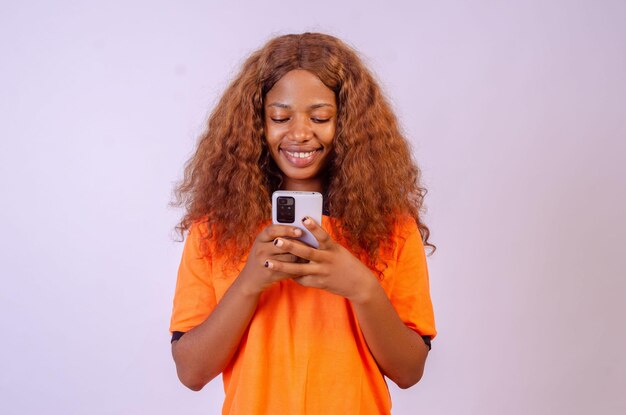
[(517, 115)]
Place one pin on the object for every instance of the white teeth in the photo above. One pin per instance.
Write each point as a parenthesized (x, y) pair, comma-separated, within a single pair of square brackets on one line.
[(300, 155)]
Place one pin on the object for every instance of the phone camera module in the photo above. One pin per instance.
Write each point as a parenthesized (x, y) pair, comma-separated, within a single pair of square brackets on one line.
[(286, 209)]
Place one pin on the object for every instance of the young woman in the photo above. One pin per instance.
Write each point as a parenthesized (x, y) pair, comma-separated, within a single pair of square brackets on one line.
[(295, 329)]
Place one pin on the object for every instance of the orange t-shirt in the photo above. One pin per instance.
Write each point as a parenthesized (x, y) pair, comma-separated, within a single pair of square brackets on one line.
[(303, 352)]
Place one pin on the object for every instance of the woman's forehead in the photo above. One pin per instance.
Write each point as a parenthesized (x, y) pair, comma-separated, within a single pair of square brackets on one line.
[(299, 88)]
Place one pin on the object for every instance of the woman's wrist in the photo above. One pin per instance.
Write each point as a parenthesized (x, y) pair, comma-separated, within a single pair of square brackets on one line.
[(369, 290), (244, 287)]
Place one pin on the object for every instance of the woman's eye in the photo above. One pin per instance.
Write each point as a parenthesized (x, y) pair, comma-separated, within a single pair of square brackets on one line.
[(280, 120), (320, 120)]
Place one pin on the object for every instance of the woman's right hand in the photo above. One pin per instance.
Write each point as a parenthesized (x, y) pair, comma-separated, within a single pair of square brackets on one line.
[(256, 277)]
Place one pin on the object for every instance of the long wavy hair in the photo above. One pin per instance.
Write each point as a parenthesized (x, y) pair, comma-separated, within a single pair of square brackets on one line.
[(371, 180)]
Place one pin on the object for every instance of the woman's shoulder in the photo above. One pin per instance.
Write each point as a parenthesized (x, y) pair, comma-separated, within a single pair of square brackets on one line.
[(198, 229), (404, 227), (200, 237), (404, 224)]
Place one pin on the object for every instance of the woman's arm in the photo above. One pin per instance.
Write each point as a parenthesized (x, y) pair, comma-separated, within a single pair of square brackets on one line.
[(204, 351), (399, 351)]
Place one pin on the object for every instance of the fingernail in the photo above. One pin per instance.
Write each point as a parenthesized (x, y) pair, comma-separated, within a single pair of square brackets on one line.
[(297, 232), (306, 220), (278, 242)]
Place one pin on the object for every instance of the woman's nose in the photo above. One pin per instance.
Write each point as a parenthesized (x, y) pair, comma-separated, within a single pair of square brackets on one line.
[(301, 129)]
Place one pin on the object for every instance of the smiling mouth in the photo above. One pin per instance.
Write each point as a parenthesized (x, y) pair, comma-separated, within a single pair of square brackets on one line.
[(301, 158)]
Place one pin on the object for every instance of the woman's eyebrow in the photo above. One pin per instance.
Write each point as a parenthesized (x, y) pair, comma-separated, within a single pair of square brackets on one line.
[(279, 105), (320, 105), (314, 106)]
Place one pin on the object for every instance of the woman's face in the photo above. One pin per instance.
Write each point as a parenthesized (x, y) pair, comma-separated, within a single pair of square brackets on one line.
[(300, 123)]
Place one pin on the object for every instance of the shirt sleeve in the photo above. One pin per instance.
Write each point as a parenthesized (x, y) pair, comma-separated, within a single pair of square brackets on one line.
[(410, 293), (194, 298)]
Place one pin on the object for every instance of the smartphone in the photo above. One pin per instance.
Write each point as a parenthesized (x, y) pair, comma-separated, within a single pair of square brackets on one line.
[(289, 207)]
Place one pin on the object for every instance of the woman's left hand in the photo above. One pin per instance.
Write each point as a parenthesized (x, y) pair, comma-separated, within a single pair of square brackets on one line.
[(331, 267)]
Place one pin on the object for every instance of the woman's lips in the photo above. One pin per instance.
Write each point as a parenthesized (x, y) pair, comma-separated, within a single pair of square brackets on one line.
[(301, 158)]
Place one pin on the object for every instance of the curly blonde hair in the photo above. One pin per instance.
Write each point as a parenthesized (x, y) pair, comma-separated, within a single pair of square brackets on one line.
[(371, 179)]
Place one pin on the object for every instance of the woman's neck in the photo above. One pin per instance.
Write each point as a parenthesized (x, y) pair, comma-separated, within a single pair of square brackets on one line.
[(308, 185)]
